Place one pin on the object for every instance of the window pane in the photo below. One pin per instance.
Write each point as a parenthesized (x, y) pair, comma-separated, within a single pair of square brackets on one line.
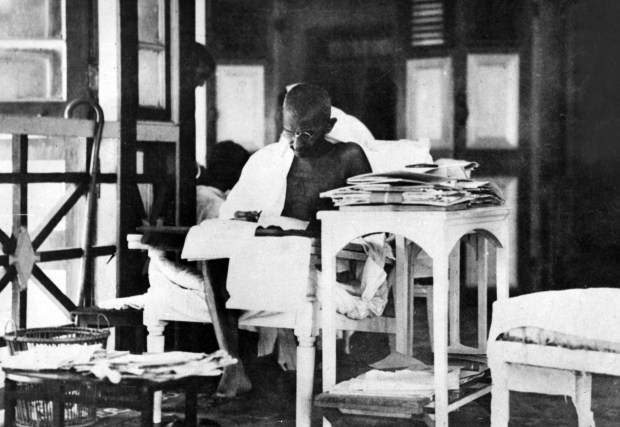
[(5, 304), (41, 309), (55, 154), (31, 75), (6, 164), (493, 101), (68, 232), (241, 104), (6, 208), (148, 21), (429, 101), (105, 279), (106, 215), (108, 155), (30, 19), (151, 78), (42, 198)]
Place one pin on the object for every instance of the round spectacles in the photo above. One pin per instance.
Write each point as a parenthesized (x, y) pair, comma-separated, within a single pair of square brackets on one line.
[(303, 136)]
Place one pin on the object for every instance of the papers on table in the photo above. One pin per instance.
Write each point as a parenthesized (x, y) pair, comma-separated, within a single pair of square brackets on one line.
[(114, 365), (174, 363), (444, 184), (222, 238), (41, 357)]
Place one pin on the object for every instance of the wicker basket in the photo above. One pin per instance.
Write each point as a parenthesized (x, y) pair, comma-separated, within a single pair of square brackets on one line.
[(38, 411), (24, 339)]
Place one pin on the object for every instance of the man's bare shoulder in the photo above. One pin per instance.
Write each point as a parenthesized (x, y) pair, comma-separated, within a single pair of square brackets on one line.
[(350, 150), (353, 157)]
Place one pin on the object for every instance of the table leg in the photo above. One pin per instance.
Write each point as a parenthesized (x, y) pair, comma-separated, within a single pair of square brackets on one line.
[(146, 396), (328, 313), (482, 283), (440, 339), (403, 300), (155, 344), (305, 380), (503, 271), (10, 387), (500, 397), (58, 406), (215, 311), (454, 295), (191, 405)]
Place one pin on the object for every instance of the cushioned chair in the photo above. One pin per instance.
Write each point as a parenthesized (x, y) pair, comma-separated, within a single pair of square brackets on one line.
[(552, 343)]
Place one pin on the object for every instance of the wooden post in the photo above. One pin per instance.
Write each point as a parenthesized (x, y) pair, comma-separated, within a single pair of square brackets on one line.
[(403, 300), (118, 78), (20, 219), (182, 35)]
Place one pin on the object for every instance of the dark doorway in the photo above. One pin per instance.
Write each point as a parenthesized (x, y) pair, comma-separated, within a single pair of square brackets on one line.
[(357, 69)]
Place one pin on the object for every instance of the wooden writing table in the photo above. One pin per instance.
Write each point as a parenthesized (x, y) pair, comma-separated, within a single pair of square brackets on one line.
[(435, 232)]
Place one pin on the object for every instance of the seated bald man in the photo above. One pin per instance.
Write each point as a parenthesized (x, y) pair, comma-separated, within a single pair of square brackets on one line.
[(286, 179)]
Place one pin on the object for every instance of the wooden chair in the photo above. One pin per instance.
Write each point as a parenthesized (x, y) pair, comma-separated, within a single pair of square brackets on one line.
[(304, 322)]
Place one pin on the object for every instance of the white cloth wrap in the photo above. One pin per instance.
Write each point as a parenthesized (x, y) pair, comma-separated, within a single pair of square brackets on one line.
[(208, 202), (276, 273), (262, 185), (176, 292), (260, 285)]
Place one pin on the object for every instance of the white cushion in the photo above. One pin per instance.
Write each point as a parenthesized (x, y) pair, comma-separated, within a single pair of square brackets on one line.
[(390, 155)]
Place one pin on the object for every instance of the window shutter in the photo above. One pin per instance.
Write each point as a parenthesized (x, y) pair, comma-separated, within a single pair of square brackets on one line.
[(427, 23)]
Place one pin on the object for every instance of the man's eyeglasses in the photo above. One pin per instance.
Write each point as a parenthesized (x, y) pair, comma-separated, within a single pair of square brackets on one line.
[(303, 136)]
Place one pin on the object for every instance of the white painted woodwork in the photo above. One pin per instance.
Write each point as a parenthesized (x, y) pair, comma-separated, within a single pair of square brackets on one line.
[(241, 105), (436, 233), (430, 101), (493, 101)]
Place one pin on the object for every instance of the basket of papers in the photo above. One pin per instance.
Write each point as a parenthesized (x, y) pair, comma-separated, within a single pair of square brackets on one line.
[(35, 407)]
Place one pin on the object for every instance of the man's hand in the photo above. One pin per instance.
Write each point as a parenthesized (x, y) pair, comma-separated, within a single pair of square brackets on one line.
[(249, 216)]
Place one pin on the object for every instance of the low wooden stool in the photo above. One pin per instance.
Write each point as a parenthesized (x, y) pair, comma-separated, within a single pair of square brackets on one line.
[(127, 318)]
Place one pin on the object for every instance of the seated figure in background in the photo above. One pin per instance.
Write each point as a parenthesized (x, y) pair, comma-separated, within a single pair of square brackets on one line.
[(215, 181), (286, 179)]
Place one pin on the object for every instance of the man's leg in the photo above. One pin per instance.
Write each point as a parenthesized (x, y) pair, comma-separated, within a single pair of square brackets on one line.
[(234, 380)]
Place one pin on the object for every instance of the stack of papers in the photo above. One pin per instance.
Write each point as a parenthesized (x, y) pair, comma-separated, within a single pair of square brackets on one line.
[(43, 357), (418, 381), (444, 184), (174, 363), (400, 375), (116, 364)]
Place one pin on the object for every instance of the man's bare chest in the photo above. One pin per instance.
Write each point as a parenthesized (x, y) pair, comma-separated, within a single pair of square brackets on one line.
[(316, 176)]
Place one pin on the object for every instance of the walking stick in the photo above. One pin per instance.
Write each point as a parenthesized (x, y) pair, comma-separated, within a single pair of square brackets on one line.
[(86, 267)]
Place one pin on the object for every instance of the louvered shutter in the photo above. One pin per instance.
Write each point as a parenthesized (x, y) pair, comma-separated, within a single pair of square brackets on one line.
[(427, 23)]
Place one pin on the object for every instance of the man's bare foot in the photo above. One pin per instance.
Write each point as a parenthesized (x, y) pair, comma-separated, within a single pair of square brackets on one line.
[(234, 381)]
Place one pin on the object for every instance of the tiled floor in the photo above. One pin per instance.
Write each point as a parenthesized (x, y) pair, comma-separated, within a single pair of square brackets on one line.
[(272, 401)]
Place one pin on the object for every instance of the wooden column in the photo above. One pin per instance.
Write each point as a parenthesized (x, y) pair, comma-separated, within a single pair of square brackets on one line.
[(20, 219), (118, 80), (182, 35), (126, 181)]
